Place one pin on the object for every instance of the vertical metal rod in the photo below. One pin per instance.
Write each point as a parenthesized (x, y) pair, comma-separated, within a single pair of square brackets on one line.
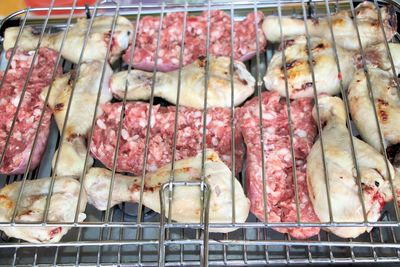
[(344, 96), (178, 94), (122, 114), (52, 181), (113, 25), (15, 45), (260, 111), (203, 220), (231, 72), (319, 126), (389, 55), (21, 189), (161, 256), (372, 99), (289, 111)]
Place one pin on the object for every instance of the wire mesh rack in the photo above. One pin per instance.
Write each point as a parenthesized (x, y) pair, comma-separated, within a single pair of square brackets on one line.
[(131, 234)]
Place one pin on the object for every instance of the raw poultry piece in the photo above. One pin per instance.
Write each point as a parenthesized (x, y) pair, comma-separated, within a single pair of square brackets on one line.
[(20, 146), (192, 84), (62, 208), (280, 196), (341, 173), (160, 147), (97, 41), (377, 57), (244, 42), (186, 204), (299, 76), (73, 151), (343, 26), (387, 104)]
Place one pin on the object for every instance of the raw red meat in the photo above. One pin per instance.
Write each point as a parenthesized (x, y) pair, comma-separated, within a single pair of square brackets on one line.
[(189, 136), (22, 136), (195, 39), (280, 196)]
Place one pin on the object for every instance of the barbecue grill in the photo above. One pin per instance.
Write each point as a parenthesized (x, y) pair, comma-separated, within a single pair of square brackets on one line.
[(132, 235)]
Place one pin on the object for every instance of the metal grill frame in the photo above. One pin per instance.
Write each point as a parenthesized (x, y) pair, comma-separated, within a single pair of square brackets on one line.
[(199, 240)]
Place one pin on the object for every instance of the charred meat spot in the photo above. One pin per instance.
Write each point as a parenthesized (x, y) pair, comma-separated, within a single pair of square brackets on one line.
[(377, 184), (286, 44), (244, 82), (58, 106), (202, 61), (315, 21), (382, 102), (290, 64), (146, 188), (393, 154), (306, 85), (383, 115), (319, 46)]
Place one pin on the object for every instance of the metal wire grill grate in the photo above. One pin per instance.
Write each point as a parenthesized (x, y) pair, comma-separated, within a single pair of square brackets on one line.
[(130, 234)]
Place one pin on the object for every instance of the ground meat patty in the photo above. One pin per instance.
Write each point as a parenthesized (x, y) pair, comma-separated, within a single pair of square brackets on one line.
[(280, 197), (23, 134), (195, 39), (189, 136)]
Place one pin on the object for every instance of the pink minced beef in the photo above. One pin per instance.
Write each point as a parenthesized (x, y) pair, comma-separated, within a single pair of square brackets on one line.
[(27, 120), (189, 136), (280, 196), (244, 43)]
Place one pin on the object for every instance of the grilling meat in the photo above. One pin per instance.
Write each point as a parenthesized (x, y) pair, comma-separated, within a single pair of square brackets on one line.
[(189, 133), (387, 104), (97, 42), (63, 204), (186, 205), (280, 193), (20, 146), (343, 27), (299, 79), (342, 177), (80, 117), (377, 57), (245, 34), (192, 84)]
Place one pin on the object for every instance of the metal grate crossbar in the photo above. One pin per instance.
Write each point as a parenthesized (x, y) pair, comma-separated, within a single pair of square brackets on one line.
[(130, 234)]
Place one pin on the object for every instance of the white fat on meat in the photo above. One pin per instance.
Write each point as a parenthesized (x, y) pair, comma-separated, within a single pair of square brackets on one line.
[(62, 208), (97, 41), (88, 83), (345, 32), (299, 73), (186, 205), (342, 176), (139, 84)]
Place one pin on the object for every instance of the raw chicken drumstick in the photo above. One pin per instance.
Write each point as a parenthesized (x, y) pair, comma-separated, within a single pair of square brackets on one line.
[(186, 206)]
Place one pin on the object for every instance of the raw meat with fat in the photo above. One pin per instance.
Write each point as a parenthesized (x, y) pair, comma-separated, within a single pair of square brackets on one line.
[(26, 124), (280, 184)]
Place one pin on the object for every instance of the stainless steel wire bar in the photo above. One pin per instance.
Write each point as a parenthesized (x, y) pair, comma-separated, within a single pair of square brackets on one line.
[(372, 99), (347, 109), (9, 134), (289, 111), (260, 124)]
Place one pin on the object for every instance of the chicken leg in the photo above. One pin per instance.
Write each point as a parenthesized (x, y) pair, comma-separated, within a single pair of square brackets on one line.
[(80, 117), (192, 86), (341, 173), (97, 41), (63, 204), (186, 199), (342, 24)]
